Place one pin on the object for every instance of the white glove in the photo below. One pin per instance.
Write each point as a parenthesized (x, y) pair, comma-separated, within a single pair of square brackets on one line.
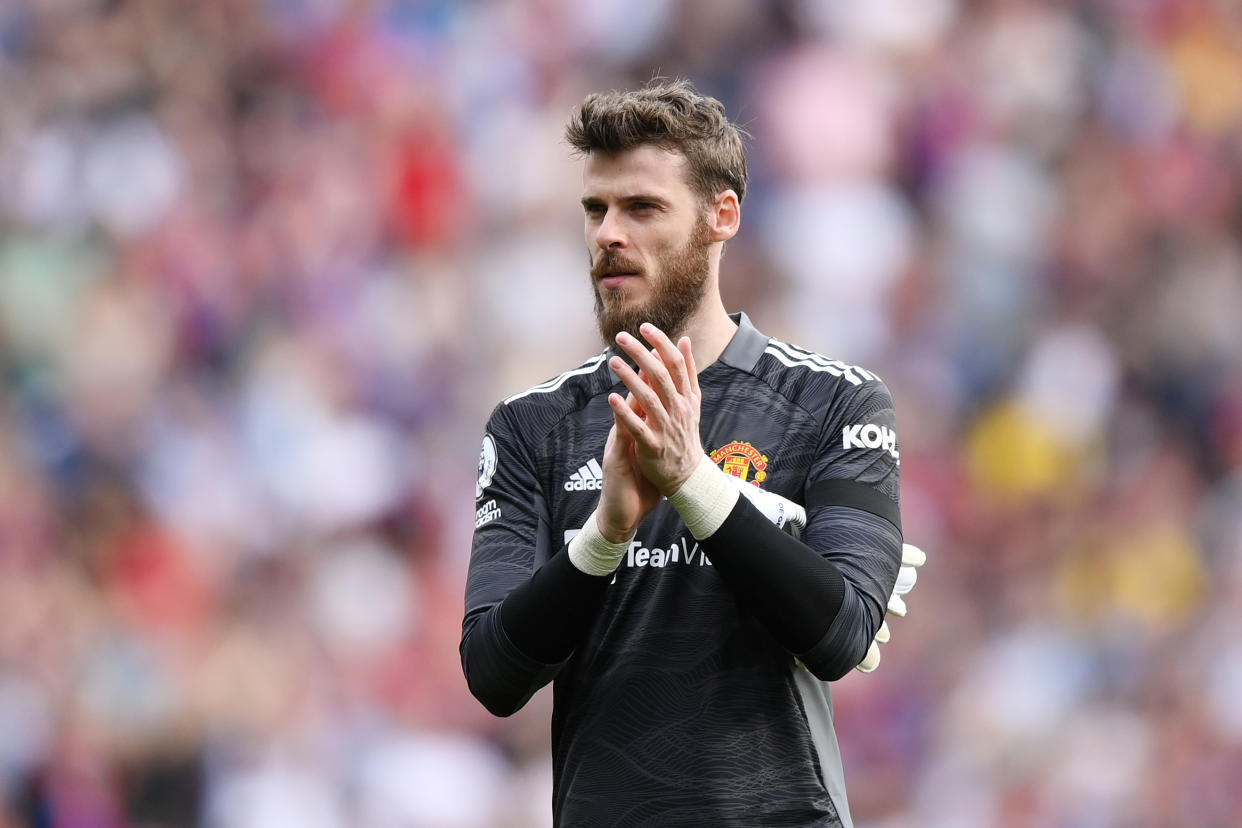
[(911, 558), (783, 512)]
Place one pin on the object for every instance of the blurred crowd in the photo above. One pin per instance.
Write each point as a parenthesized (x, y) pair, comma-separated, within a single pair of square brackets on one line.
[(266, 265)]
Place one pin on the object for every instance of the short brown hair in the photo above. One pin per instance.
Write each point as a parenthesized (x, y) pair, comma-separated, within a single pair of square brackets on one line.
[(670, 115)]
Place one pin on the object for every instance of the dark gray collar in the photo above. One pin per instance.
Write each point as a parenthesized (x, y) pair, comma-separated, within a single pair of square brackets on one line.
[(742, 352), (746, 346)]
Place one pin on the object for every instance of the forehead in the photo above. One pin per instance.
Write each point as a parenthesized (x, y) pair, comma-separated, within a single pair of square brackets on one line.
[(643, 169)]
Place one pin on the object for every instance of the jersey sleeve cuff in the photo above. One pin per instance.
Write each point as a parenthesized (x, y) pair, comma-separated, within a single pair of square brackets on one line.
[(594, 554), (705, 500)]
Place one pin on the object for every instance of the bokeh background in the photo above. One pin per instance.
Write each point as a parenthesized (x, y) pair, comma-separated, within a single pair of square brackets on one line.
[(266, 266)]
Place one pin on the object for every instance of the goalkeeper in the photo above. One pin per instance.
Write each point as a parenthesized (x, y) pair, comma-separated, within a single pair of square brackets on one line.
[(617, 552)]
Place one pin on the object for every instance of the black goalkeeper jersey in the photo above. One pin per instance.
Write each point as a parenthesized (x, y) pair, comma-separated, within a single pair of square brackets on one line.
[(679, 707)]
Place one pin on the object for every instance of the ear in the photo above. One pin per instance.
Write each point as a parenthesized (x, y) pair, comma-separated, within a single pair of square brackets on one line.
[(724, 216)]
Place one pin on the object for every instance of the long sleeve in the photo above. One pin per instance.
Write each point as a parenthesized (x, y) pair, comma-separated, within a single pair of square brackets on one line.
[(526, 608)]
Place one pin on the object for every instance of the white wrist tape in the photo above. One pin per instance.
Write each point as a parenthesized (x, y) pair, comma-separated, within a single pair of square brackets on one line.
[(594, 554), (705, 500)]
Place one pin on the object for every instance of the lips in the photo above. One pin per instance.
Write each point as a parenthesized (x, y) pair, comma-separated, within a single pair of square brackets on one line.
[(612, 270), (615, 279)]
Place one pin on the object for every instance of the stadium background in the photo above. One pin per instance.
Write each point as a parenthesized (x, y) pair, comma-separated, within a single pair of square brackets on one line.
[(265, 265)]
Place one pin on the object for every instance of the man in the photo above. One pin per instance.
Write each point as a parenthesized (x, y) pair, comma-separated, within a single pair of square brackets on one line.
[(689, 635)]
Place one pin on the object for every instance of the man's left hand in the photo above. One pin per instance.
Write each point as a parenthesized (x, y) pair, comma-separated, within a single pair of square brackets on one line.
[(911, 559), (665, 422)]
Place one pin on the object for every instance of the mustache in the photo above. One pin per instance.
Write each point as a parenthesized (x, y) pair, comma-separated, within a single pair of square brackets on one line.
[(611, 262)]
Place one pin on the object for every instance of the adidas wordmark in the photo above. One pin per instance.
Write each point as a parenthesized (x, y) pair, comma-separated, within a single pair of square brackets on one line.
[(588, 478)]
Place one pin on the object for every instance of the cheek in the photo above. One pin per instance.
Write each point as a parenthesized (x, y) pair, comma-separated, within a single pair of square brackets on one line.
[(666, 247)]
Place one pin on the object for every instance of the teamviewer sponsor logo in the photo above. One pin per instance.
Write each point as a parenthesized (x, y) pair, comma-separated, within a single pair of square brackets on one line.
[(870, 436), (588, 478), (682, 550)]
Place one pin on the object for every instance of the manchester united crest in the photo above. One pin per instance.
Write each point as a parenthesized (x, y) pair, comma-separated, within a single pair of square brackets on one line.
[(739, 458)]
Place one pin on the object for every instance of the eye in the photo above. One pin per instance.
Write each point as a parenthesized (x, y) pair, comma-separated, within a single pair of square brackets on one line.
[(593, 210)]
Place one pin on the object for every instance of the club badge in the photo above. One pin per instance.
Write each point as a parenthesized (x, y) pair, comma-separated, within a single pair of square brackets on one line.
[(739, 458)]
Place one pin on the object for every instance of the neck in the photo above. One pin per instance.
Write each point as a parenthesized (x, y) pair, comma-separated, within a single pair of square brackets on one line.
[(710, 329)]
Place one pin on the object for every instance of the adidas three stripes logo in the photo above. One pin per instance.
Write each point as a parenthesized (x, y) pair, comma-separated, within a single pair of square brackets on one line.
[(588, 478)]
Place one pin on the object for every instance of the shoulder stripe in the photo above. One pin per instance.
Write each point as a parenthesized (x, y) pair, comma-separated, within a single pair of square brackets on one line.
[(797, 357), (556, 382), (798, 354), (813, 366)]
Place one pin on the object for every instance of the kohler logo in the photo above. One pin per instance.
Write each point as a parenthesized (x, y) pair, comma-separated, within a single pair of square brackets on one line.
[(870, 436)]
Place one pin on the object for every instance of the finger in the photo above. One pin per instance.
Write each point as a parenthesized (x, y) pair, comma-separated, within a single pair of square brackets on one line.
[(649, 402), (656, 355), (692, 372), (897, 606), (911, 555), (643, 376), (797, 514), (907, 577), (653, 367), (633, 403), (883, 635), (871, 660), (627, 420), (669, 354), (620, 440)]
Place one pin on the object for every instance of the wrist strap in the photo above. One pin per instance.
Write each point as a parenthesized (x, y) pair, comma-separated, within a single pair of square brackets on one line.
[(705, 500), (594, 554)]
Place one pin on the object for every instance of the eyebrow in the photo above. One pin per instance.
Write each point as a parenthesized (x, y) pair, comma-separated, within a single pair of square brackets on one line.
[(592, 201)]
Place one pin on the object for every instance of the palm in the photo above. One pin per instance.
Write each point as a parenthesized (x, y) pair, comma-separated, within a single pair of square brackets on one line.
[(627, 496)]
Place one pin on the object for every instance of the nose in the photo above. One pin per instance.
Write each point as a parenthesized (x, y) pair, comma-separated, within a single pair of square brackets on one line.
[(609, 234)]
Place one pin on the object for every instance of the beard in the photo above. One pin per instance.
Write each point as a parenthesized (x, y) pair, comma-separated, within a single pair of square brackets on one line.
[(676, 290)]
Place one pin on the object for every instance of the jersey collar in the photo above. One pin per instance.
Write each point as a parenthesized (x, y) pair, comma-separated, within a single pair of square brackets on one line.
[(742, 352), (746, 346)]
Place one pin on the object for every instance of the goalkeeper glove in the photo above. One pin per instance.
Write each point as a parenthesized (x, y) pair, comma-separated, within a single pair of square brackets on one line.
[(783, 512), (911, 558)]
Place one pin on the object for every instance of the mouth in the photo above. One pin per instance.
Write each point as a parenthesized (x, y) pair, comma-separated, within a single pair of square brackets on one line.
[(614, 279)]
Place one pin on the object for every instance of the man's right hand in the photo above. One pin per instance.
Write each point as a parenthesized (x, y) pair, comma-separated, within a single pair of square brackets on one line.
[(626, 496)]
